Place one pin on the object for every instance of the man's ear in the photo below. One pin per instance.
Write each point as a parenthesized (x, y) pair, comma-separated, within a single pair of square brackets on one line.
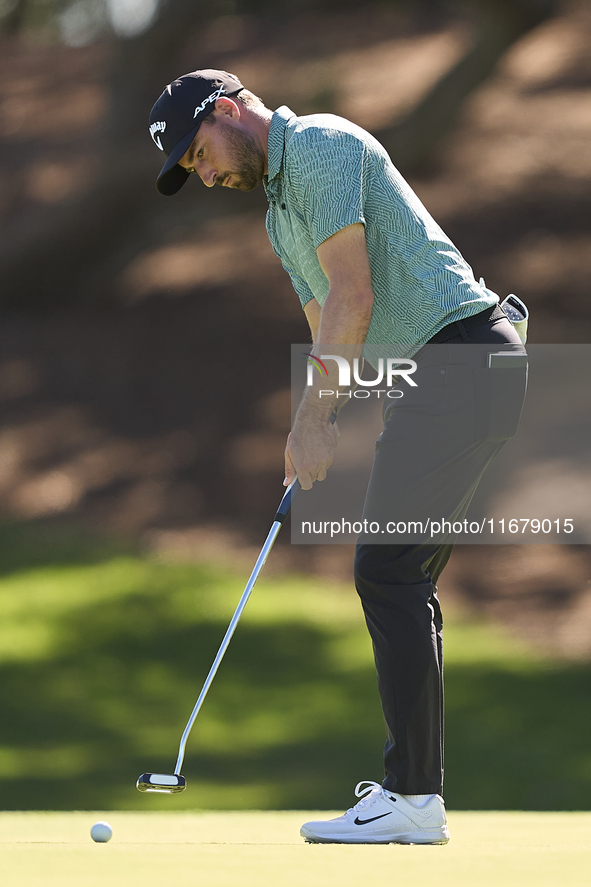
[(228, 108)]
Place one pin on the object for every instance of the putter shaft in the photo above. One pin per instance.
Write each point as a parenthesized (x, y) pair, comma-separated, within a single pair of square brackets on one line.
[(282, 513)]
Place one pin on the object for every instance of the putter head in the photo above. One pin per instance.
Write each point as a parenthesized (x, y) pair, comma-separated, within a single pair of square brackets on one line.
[(161, 782)]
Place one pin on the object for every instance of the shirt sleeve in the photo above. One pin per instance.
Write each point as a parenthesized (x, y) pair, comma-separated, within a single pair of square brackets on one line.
[(299, 284), (302, 289), (326, 169)]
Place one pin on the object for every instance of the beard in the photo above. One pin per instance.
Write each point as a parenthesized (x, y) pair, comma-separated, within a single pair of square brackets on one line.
[(247, 159)]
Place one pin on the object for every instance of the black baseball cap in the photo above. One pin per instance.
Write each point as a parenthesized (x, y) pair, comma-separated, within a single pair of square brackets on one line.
[(178, 114)]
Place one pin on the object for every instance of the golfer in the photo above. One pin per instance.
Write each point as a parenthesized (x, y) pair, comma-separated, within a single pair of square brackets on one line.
[(371, 267)]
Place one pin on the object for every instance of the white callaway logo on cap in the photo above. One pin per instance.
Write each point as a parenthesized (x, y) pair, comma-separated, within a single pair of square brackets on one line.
[(158, 126), (211, 98)]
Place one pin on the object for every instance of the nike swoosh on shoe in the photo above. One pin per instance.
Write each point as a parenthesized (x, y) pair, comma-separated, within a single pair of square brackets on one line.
[(373, 819)]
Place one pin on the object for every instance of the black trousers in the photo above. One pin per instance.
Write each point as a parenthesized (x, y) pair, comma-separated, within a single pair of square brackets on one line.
[(447, 431)]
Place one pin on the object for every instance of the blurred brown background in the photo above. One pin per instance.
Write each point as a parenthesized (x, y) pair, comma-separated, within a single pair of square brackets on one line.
[(144, 341)]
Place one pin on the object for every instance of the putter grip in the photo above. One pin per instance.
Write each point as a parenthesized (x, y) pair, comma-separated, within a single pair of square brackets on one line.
[(292, 491), (288, 497)]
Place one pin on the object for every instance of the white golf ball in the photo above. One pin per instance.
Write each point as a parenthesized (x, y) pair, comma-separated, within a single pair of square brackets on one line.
[(101, 832)]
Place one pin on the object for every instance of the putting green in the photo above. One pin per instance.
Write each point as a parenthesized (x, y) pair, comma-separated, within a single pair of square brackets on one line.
[(264, 849)]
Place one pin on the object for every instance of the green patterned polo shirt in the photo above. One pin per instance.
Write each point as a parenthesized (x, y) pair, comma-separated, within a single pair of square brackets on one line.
[(326, 173)]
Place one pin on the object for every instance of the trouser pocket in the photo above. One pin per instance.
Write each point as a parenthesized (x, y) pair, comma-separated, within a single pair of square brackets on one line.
[(500, 393)]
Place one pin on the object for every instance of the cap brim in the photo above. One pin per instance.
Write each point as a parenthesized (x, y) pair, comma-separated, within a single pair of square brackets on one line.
[(172, 177)]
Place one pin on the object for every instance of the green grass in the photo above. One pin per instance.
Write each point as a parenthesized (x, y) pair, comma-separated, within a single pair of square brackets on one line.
[(103, 653), (265, 850)]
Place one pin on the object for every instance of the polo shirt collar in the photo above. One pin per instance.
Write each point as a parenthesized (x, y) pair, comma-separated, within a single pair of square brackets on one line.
[(276, 142)]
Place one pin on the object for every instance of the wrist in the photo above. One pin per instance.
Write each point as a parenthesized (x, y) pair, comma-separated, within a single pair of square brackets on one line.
[(318, 409)]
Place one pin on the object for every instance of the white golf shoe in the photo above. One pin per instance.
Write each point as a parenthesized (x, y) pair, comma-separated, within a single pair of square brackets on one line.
[(382, 817)]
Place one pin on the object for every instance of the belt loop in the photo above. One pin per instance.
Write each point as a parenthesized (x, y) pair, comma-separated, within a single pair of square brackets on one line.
[(462, 329)]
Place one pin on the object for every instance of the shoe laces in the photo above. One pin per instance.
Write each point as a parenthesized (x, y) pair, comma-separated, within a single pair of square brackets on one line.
[(368, 794)]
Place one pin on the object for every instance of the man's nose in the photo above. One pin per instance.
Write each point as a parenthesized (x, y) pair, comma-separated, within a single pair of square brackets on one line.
[(207, 175)]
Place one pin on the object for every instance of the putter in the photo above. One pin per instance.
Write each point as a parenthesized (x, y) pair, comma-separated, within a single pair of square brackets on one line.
[(173, 783)]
